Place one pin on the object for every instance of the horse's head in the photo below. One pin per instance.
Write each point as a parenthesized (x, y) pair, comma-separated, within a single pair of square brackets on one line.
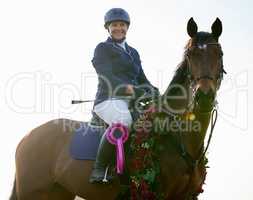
[(203, 57), (199, 75)]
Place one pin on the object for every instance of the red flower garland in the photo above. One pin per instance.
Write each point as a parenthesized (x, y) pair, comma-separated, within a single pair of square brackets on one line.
[(144, 165)]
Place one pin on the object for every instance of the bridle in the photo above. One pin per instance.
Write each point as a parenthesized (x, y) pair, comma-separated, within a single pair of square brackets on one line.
[(193, 81), (204, 46), (213, 112)]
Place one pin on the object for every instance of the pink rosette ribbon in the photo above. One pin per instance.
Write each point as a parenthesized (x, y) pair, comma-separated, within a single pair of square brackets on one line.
[(119, 143)]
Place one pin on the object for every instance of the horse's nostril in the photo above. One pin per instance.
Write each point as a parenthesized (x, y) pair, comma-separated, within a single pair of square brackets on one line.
[(206, 86)]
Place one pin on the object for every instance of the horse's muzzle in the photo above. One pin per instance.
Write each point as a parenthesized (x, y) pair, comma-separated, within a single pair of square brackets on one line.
[(205, 94), (206, 86)]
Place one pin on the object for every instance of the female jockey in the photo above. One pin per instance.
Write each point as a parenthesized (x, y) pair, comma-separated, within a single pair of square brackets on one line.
[(119, 71)]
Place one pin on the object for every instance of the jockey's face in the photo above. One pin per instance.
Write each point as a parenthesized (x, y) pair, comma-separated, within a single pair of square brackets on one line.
[(118, 29)]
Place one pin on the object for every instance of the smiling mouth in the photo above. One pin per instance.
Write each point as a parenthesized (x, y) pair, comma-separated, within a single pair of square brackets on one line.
[(119, 33)]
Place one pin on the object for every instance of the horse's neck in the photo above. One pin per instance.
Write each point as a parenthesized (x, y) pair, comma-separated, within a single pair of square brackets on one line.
[(176, 89), (194, 138)]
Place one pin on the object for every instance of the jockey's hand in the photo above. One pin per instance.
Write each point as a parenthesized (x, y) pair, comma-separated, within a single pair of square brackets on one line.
[(134, 90), (129, 90)]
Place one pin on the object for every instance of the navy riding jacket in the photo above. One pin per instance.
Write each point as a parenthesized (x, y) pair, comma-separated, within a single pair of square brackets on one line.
[(115, 68)]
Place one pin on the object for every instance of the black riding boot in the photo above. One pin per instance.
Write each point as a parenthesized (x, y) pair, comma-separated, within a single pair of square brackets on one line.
[(101, 172)]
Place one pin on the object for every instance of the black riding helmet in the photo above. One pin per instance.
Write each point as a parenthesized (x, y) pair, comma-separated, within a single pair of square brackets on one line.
[(116, 14)]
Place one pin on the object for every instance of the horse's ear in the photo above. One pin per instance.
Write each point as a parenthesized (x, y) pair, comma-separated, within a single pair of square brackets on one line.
[(217, 28), (192, 28)]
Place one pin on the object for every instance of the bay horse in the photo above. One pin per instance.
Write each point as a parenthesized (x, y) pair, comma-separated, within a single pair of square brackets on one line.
[(45, 170)]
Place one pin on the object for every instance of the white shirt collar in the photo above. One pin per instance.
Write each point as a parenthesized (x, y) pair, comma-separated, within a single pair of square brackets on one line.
[(122, 44)]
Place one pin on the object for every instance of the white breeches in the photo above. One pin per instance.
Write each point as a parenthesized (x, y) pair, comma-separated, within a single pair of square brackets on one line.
[(113, 111)]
